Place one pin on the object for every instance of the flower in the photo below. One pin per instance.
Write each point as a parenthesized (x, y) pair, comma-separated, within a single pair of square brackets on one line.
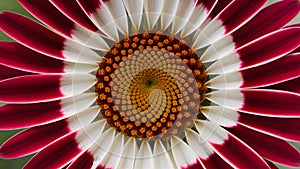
[(152, 84)]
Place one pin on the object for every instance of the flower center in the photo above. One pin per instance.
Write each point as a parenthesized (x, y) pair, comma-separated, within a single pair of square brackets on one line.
[(150, 86)]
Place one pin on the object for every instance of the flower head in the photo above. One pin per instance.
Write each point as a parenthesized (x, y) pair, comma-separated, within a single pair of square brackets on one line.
[(152, 84)]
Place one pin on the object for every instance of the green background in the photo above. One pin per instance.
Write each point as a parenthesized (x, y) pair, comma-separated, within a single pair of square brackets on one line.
[(12, 5)]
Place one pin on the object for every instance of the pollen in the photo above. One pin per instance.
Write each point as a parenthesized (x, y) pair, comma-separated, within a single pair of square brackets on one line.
[(150, 86)]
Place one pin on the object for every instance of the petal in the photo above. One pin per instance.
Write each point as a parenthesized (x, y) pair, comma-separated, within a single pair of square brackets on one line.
[(19, 57), (53, 87), (270, 19), (85, 161), (152, 11), (220, 115), (75, 13), (259, 101), (129, 153), (183, 155), (36, 138), (268, 147), (182, 15), (144, 157), (118, 12), (259, 52), (200, 13), (284, 128), (221, 5), (15, 116), (161, 156), (232, 17), (291, 85), (62, 151), (168, 12), (101, 17), (102, 146), (114, 155), (41, 39), (204, 151), (135, 12), (260, 76), (7, 72), (228, 146)]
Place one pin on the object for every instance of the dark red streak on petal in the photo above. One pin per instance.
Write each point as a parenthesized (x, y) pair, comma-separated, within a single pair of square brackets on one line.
[(20, 57), (32, 34), (33, 139), (291, 85), (15, 116), (7, 72), (271, 165), (32, 88), (219, 7)]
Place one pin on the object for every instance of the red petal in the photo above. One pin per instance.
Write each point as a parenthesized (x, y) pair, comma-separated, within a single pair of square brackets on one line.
[(30, 88), (33, 139), (19, 57), (32, 34), (268, 147)]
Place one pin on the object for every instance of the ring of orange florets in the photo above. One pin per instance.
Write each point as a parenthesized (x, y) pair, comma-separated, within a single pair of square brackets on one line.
[(154, 103)]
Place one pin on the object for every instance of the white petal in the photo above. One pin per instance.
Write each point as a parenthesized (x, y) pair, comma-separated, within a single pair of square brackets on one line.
[(182, 153), (210, 34), (233, 80), (226, 64), (76, 104), (220, 115), (84, 118), (88, 135), (219, 49), (161, 156), (198, 144), (90, 39), (118, 12), (105, 22), (198, 16), (102, 146), (135, 11), (231, 99), (153, 10), (74, 84), (114, 155), (168, 12), (211, 132), (182, 15), (128, 155), (70, 67), (75, 52), (144, 157)]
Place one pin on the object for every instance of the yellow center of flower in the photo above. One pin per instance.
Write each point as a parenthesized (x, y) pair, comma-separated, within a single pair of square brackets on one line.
[(150, 86)]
